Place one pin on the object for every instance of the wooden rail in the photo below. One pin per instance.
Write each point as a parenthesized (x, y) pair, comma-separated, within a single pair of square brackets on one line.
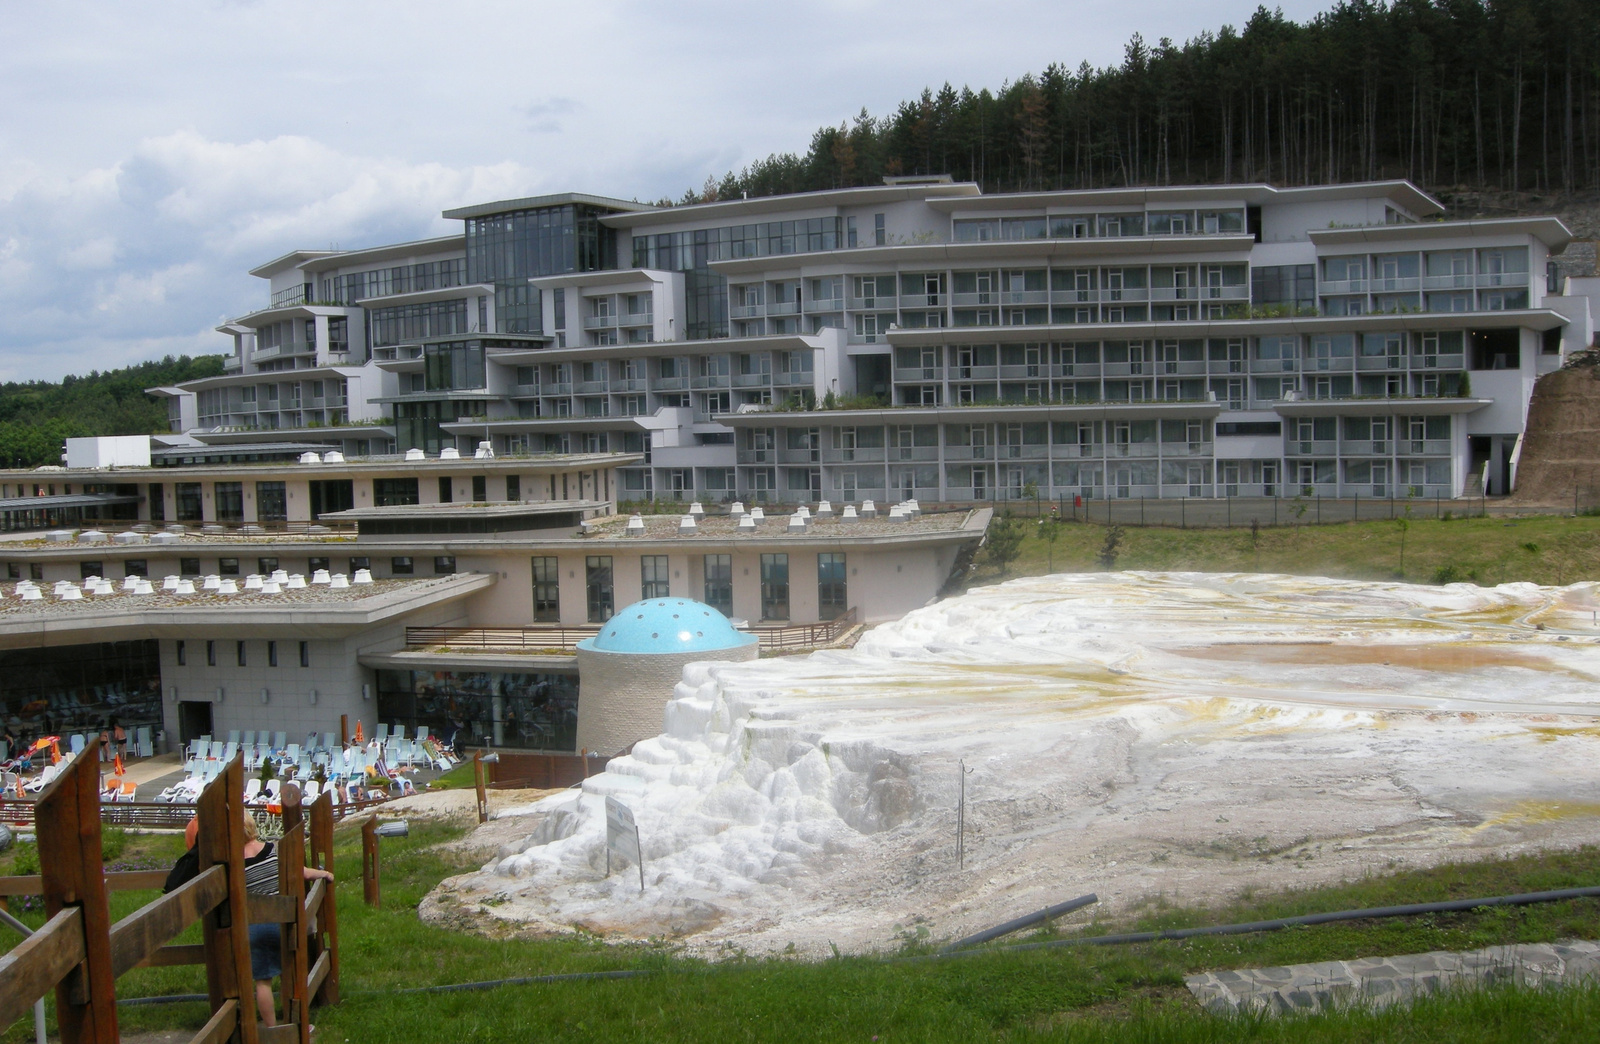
[(80, 954), (773, 637), (156, 815)]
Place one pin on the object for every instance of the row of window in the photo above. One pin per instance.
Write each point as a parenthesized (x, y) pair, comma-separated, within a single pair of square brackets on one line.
[(241, 653), (600, 593), (1084, 226)]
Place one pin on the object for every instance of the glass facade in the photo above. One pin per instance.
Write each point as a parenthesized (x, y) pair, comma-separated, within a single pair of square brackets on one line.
[(81, 688), (510, 248), (533, 711), (453, 364), (401, 279), (404, 324)]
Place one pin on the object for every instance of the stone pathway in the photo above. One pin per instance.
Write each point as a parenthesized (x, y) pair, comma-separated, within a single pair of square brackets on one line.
[(1380, 981)]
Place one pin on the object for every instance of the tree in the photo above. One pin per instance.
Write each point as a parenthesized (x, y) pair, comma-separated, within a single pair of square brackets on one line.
[(1003, 542), (1050, 532), (1110, 549)]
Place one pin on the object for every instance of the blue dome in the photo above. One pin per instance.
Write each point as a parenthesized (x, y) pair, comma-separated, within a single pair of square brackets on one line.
[(667, 625)]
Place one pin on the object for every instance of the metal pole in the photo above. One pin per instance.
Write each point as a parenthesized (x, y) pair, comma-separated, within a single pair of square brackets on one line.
[(639, 847), (38, 1005)]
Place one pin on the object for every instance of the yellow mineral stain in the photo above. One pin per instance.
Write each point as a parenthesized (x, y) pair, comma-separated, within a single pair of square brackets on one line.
[(1541, 812)]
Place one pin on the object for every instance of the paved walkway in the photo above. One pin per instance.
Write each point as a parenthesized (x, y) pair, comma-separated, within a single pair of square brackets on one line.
[(1380, 981)]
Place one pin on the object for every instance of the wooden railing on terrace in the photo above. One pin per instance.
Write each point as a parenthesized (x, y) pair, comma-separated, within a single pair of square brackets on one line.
[(160, 815), (562, 639), (79, 953)]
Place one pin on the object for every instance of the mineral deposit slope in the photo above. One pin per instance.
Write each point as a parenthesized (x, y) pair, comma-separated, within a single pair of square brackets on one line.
[(1132, 734)]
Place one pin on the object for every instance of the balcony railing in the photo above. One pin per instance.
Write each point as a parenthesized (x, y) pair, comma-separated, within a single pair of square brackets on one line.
[(825, 304), (599, 322)]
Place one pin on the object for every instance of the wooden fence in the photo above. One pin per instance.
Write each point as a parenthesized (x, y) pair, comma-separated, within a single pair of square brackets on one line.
[(162, 816), (80, 954)]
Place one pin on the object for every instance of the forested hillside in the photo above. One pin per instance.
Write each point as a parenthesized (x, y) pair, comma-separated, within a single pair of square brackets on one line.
[(1474, 94), (37, 415)]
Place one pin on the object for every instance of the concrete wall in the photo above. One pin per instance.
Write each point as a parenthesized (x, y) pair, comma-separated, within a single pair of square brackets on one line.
[(621, 696)]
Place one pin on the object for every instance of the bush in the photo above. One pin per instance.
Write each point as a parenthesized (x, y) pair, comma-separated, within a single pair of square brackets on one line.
[(1453, 574), (112, 841)]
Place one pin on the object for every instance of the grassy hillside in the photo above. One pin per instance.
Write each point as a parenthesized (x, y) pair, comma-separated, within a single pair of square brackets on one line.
[(1541, 549), (1073, 994), (35, 416)]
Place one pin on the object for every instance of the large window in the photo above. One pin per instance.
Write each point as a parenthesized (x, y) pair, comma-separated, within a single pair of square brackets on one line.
[(158, 502), (598, 582), (188, 498), (531, 711), (1293, 287), (452, 365), (653, 576), (332, 495), (833, 598), (78, 688), (272, 502), (719, 583), (546, 590), (394, 492), (775, 587), (230, 501), (402, 324)]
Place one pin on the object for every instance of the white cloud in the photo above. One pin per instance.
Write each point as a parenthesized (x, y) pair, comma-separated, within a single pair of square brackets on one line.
[(150, 155)]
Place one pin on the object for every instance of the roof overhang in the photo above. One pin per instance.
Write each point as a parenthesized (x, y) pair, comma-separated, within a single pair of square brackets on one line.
[(557, 199), (1403, 192), (651, 349), (1223, 247), (736, 210), (125, 618), (1530, 318), (1548, 230), (1379, 407), (975, 414)]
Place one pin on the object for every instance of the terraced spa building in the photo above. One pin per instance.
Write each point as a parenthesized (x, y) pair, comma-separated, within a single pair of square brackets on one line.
[(924, 339), (442, 592)]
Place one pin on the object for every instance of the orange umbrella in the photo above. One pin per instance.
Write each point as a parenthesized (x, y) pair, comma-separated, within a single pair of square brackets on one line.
[(358, 731), (116, 763)]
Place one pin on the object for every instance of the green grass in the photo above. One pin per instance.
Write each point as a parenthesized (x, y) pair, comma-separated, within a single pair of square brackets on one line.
[(1124, 993), (1072, 994), (1542, 549)]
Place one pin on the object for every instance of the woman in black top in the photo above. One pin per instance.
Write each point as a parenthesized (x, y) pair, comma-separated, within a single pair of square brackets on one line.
[(260, 878)]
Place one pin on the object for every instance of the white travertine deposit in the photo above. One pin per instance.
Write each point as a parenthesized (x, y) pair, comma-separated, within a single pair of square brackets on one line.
[(1133, 734)]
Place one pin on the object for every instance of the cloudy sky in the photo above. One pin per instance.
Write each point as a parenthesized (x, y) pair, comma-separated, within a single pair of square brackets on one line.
[(151, 153)]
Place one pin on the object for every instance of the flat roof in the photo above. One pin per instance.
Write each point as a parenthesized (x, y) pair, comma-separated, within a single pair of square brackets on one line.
[(722, 529), (67, 501), (386, 464), (499, 509), (1550, 231), (315, 610), (554, 199), (1398, 190), (735, 210)]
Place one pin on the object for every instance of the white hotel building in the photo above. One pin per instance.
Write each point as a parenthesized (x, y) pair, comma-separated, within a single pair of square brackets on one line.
[(924, 339)]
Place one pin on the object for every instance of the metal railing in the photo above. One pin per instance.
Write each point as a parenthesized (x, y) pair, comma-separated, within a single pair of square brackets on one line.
[(564, 638)]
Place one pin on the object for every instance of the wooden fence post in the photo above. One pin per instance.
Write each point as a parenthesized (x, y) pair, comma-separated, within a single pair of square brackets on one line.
[(226, 929), (325, 937), (67, 822), (292, 885), (369, 861), (344, 730), (483, 799)]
